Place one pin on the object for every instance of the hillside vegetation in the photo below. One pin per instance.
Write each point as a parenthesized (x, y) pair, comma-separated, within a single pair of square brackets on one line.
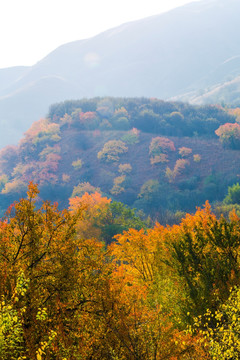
[(159, 157), (167, 293)]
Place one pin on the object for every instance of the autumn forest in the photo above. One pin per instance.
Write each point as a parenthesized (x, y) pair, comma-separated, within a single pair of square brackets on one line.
[(120, 233), (161, 158), (158, 293), (120, 180)]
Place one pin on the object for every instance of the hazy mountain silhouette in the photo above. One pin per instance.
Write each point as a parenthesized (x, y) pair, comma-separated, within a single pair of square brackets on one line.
[(178, 54)]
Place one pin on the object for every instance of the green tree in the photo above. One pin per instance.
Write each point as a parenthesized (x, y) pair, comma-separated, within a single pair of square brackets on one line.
[(233, 196), (112, 150), (121, 218), (205, 254)]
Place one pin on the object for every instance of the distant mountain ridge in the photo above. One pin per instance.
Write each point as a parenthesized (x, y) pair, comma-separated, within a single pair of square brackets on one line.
[(182, 55)]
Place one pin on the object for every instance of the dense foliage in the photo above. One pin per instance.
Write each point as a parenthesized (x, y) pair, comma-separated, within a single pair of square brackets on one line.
[(229, 135), (160, 293), (158, 157), (147, 115)]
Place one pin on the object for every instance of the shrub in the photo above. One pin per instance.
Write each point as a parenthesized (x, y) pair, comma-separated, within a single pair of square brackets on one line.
[(197, 158), (132, 136), (88, 120), (65, 178), (75, 115), (111, 150), (21, 169), (222, 209), (121, 123), (149, 188), (170, 174), (105, 125), (66, 119), (184, 151), (233, 196), (117, 188), (83, 188), (121, 112), (235, 112), (179, 168), (15, 186), (77, 164), (40, 132), (229, 135), (161, 145), (124, 168), (162, 158), (120, 119), (49, 150)]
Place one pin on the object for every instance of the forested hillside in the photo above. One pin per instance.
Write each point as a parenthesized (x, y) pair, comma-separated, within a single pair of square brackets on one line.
[(158, 157)]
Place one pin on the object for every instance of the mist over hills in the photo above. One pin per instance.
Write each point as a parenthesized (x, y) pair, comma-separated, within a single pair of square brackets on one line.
[(185, 54)]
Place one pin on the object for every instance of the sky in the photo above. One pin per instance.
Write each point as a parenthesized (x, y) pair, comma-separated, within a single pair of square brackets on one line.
[(31, 29)]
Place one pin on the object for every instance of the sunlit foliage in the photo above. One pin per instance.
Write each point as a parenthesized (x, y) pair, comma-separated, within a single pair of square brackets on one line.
[(197, 158), (229, 135), (179, 168), (152, 294), (233, 196), (112, 151), (184, 151), (124, 168), (159, 149), (77, 164)]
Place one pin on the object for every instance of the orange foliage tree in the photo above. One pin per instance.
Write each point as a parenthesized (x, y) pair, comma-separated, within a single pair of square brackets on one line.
[(94, 214), (65, 295), (88, 120), (184, 151), (159, 148), (229, 135), (38, 243), (141, 258)]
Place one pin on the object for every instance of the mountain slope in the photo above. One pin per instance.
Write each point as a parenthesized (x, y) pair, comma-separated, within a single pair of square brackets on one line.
[(182, 51), (154, 155)]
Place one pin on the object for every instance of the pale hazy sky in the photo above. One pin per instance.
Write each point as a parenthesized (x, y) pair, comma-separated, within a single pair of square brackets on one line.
[(30, 29)]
